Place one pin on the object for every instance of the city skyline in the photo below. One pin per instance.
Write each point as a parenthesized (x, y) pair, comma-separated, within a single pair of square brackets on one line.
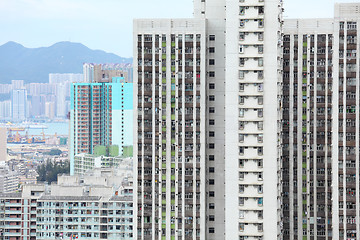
[(55, 21)]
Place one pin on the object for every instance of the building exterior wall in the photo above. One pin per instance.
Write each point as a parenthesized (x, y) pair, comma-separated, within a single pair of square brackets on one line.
[(19, 104), (169, 145), (17, 217), (101, 114), (97, 205), (320, 126), (84, 218)]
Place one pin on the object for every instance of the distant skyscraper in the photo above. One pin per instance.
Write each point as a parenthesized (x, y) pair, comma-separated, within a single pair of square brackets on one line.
[(19, 104), (61, 100), (17, 84), (56, 78), (94, 71), (5, 109), (50, 109), (101, 114), (62, 83)]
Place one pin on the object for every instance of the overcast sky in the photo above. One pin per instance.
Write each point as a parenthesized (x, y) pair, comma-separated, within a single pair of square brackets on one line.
[(107, 24)]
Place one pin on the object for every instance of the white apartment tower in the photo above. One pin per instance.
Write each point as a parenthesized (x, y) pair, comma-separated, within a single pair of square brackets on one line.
[(321, 126), (234, 184), (169, 147)]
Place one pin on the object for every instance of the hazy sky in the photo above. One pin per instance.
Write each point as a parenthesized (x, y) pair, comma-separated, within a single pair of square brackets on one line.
[(107, 24)]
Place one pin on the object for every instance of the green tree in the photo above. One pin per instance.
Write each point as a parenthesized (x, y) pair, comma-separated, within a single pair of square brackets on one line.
[(49, 171)]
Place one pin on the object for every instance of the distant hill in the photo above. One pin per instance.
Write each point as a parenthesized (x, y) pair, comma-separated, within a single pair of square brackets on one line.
[(35, 64)]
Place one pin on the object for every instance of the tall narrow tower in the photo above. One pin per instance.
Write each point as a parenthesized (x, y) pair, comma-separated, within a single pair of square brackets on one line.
[(169, 148), (231, 142)]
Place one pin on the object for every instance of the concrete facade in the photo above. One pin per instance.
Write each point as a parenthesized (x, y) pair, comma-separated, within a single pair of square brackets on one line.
[(320, 126), (95, 206), (100, 114)]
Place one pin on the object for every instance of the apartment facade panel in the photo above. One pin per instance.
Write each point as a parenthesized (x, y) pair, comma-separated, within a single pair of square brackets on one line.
[(170, 133)]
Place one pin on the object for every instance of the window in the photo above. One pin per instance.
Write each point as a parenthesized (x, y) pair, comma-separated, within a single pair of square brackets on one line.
[(211, 74), (211, 205), (241, 62), (211, 134), (241, 74), (241, 137), (260, 100), (211, 61), (211, 169), (260, 74), (211, 50), (241, 150), (241, 214), (241, 87), (211, 230), (211, 37), (260, 113), (212, 98), (242, 23), (241, 201), (211, 122), (241, 125), (241, 227), (241, 100), (260, 36), (241, 163), (211, 218), (260, 62), (241, 36), (211, 181), (211, 85), (241, 112), (211, 158), (260, 23), (261, 10), (241, 48), (211, 110), (260, 49), (242, 10), (211, 145), (211, 194)]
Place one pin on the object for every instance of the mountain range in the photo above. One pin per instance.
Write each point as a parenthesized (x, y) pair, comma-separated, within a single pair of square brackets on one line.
[(34, 64)]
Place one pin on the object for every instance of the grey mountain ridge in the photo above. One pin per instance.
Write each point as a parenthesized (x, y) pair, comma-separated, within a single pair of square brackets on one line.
[(34, 64)]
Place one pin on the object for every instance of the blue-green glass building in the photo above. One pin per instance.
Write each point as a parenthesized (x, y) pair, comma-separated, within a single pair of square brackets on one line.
[(101, 114)]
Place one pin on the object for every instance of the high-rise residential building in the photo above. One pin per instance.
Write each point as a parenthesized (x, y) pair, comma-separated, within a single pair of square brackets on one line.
[(17, 84), (61, 78), (62, 82), (169, 146), (61, 101), (101, 114), (5, 109), (321, 126), (19, 104), (50, 110), (93, 71), (96, 206), (237, 69), (9, 180)]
